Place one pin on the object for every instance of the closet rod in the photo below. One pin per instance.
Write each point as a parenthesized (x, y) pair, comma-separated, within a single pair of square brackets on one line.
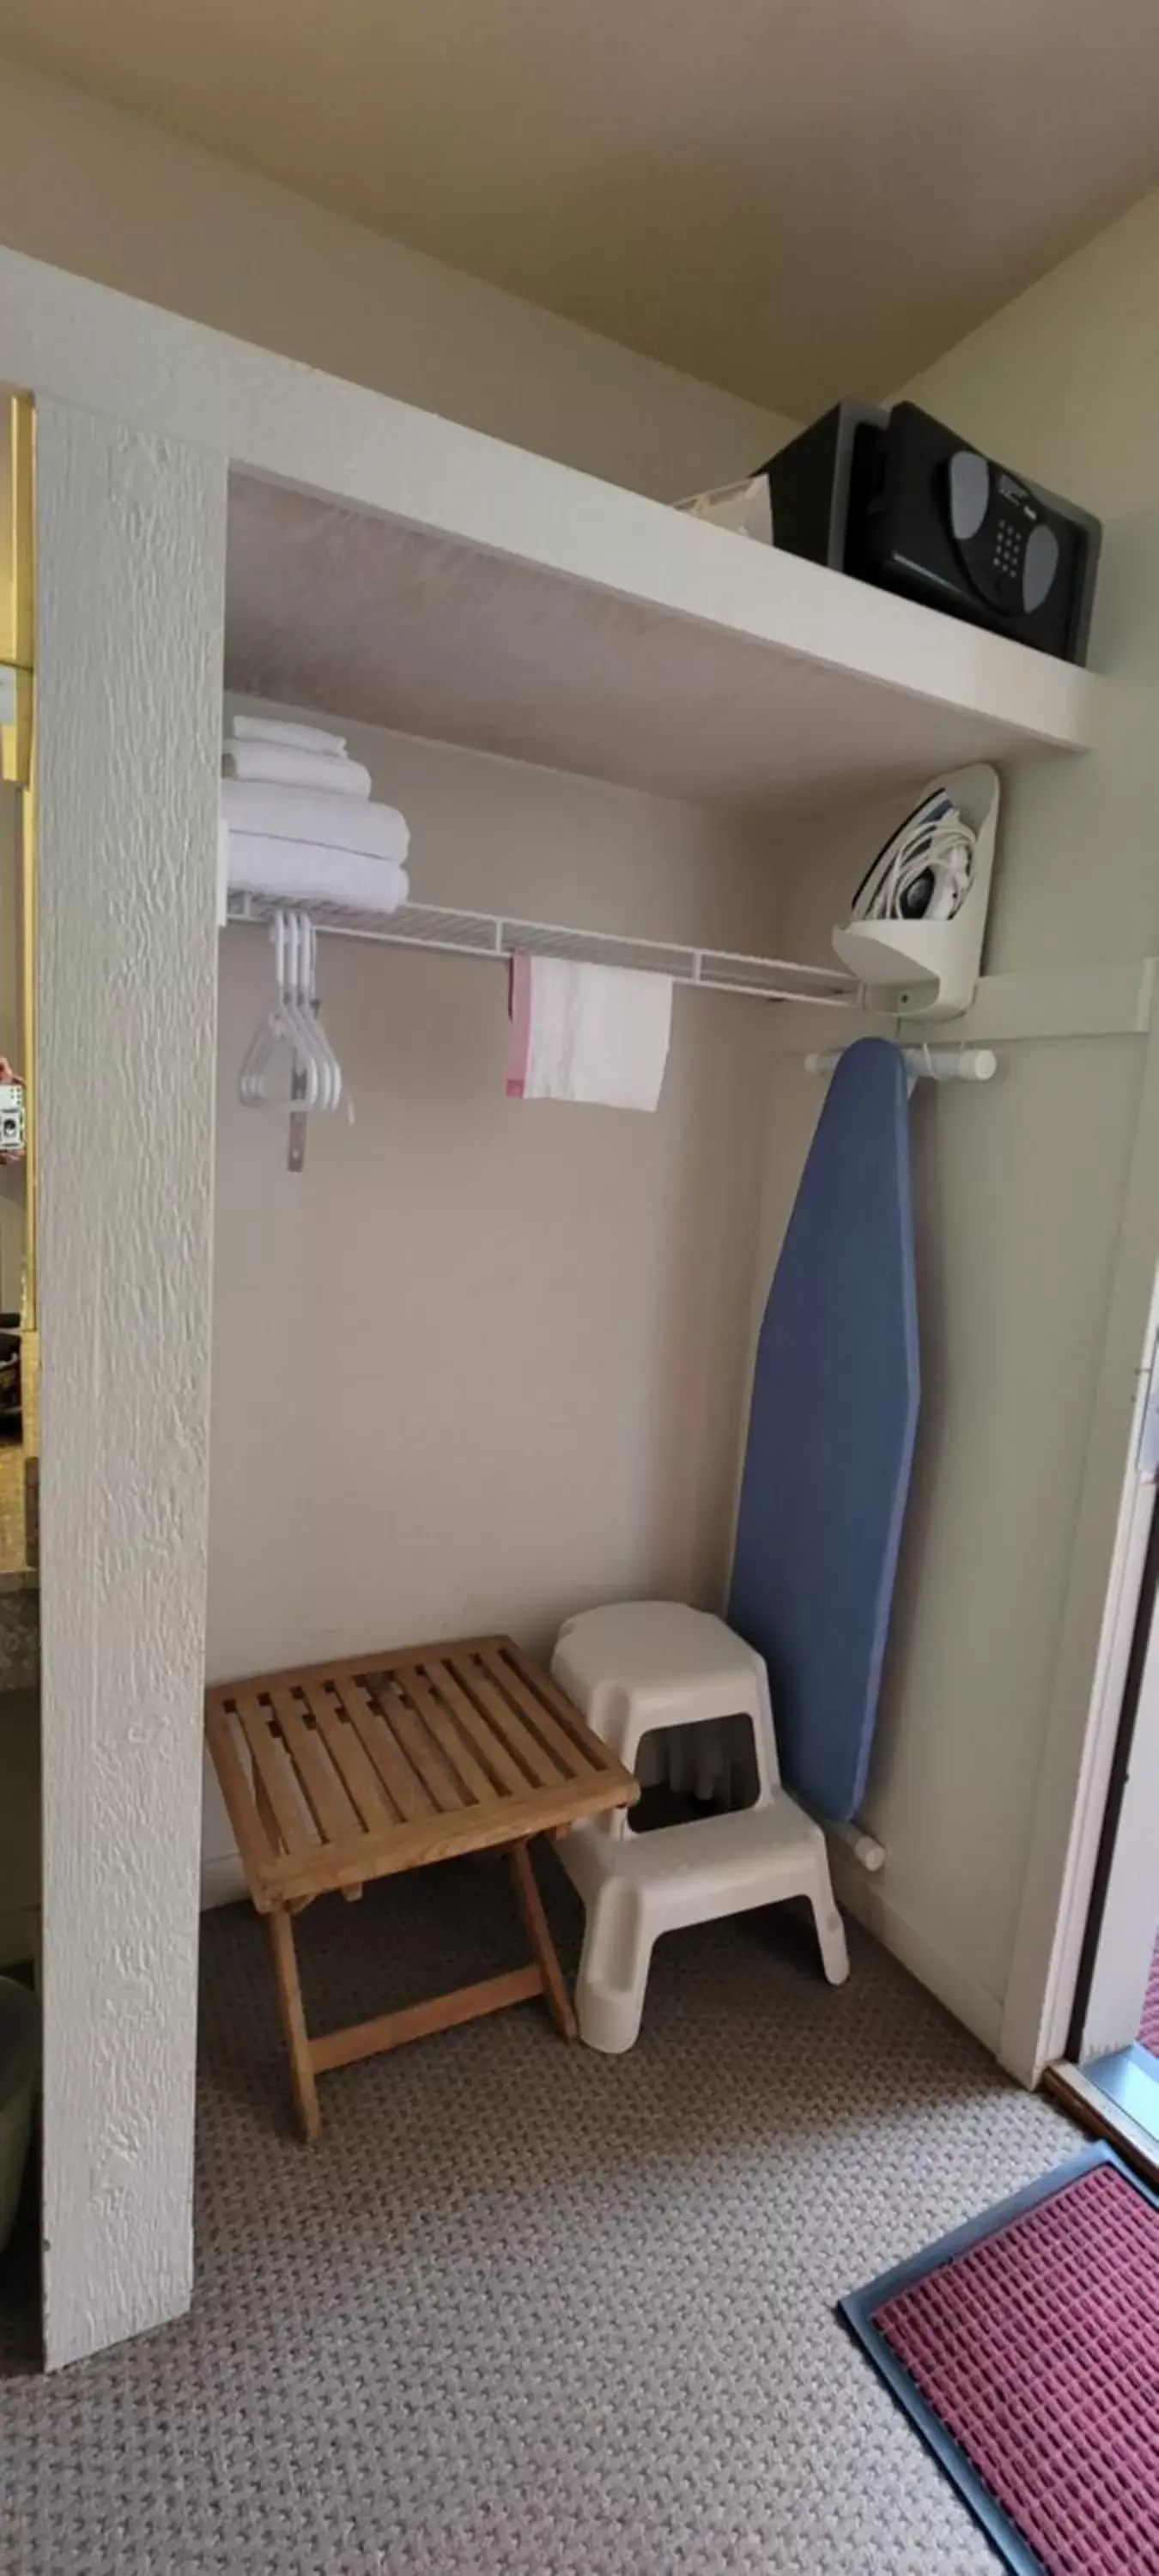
[(487, 934), (924, 1063)]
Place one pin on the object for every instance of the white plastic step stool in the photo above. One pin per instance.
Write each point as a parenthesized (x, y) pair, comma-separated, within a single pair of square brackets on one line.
[(645, 1664)]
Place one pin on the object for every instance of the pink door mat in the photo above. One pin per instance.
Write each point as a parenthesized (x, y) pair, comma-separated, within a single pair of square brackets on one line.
[(1149, 2026), (1025, 2348)]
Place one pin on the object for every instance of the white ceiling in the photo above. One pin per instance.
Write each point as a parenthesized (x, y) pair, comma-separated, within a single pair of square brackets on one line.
[(791, 198)]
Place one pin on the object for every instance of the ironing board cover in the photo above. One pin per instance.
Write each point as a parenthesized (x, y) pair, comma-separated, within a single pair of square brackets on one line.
[(831, 1435)]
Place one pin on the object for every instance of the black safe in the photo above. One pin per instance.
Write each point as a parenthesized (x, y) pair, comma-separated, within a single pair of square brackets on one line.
[(895, 498)]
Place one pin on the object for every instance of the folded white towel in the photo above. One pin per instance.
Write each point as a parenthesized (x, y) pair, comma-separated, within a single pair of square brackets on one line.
[(294, 872), (295, 737), (277, 765), (595, 1033), (306, 814)]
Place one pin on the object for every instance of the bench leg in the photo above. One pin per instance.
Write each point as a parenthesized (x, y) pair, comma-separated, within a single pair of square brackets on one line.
[(294, 2022), (543, 1947)]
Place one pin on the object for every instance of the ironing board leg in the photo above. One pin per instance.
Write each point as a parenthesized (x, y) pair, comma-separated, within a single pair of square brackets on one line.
[(294, 2022), (543, 1947)]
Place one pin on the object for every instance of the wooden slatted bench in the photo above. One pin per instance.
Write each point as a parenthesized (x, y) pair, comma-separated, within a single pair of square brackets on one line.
[(335, 1774)]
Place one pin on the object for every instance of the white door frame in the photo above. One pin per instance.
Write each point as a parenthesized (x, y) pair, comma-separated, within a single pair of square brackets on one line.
[(1129, 1913), (1128, 1908), (1095, 1635)]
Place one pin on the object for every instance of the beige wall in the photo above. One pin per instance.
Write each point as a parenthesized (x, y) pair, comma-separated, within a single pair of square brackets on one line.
[(114, 199), (1020, 1188), (484, 1362)]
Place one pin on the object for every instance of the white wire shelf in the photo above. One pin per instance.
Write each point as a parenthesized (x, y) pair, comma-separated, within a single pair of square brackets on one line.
[(489, 934)]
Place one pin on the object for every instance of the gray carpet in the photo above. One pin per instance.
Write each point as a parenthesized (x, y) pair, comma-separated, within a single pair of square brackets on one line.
[(525, 2311)]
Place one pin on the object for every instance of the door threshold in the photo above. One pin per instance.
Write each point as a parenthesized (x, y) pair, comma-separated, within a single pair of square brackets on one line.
[(1108, 2098)]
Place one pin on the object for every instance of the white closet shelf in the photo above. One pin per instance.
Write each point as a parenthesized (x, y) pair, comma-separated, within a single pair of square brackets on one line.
[(497, 935), (389, 565), (540, 614)]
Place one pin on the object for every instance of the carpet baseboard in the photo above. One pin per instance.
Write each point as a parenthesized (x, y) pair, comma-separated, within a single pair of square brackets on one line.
[(970, 2003), (222, 1879)]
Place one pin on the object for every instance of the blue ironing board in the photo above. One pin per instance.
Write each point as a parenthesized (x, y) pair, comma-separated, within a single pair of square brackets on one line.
[(831, 1435)]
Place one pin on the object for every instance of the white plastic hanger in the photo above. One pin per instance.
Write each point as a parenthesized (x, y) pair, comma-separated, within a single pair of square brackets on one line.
[(255, 1079), (330, 1071), (294, 1028), (297, 1007), (323, 1041)]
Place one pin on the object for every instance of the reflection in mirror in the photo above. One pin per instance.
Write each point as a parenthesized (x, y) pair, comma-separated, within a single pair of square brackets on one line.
[(18, 1340), (20, 1893)]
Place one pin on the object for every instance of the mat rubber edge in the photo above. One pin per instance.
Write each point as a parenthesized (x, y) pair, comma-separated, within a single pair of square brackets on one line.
[(858, 2309)]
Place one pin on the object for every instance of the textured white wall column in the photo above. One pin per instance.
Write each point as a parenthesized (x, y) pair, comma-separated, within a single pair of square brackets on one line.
[(131, 553)]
